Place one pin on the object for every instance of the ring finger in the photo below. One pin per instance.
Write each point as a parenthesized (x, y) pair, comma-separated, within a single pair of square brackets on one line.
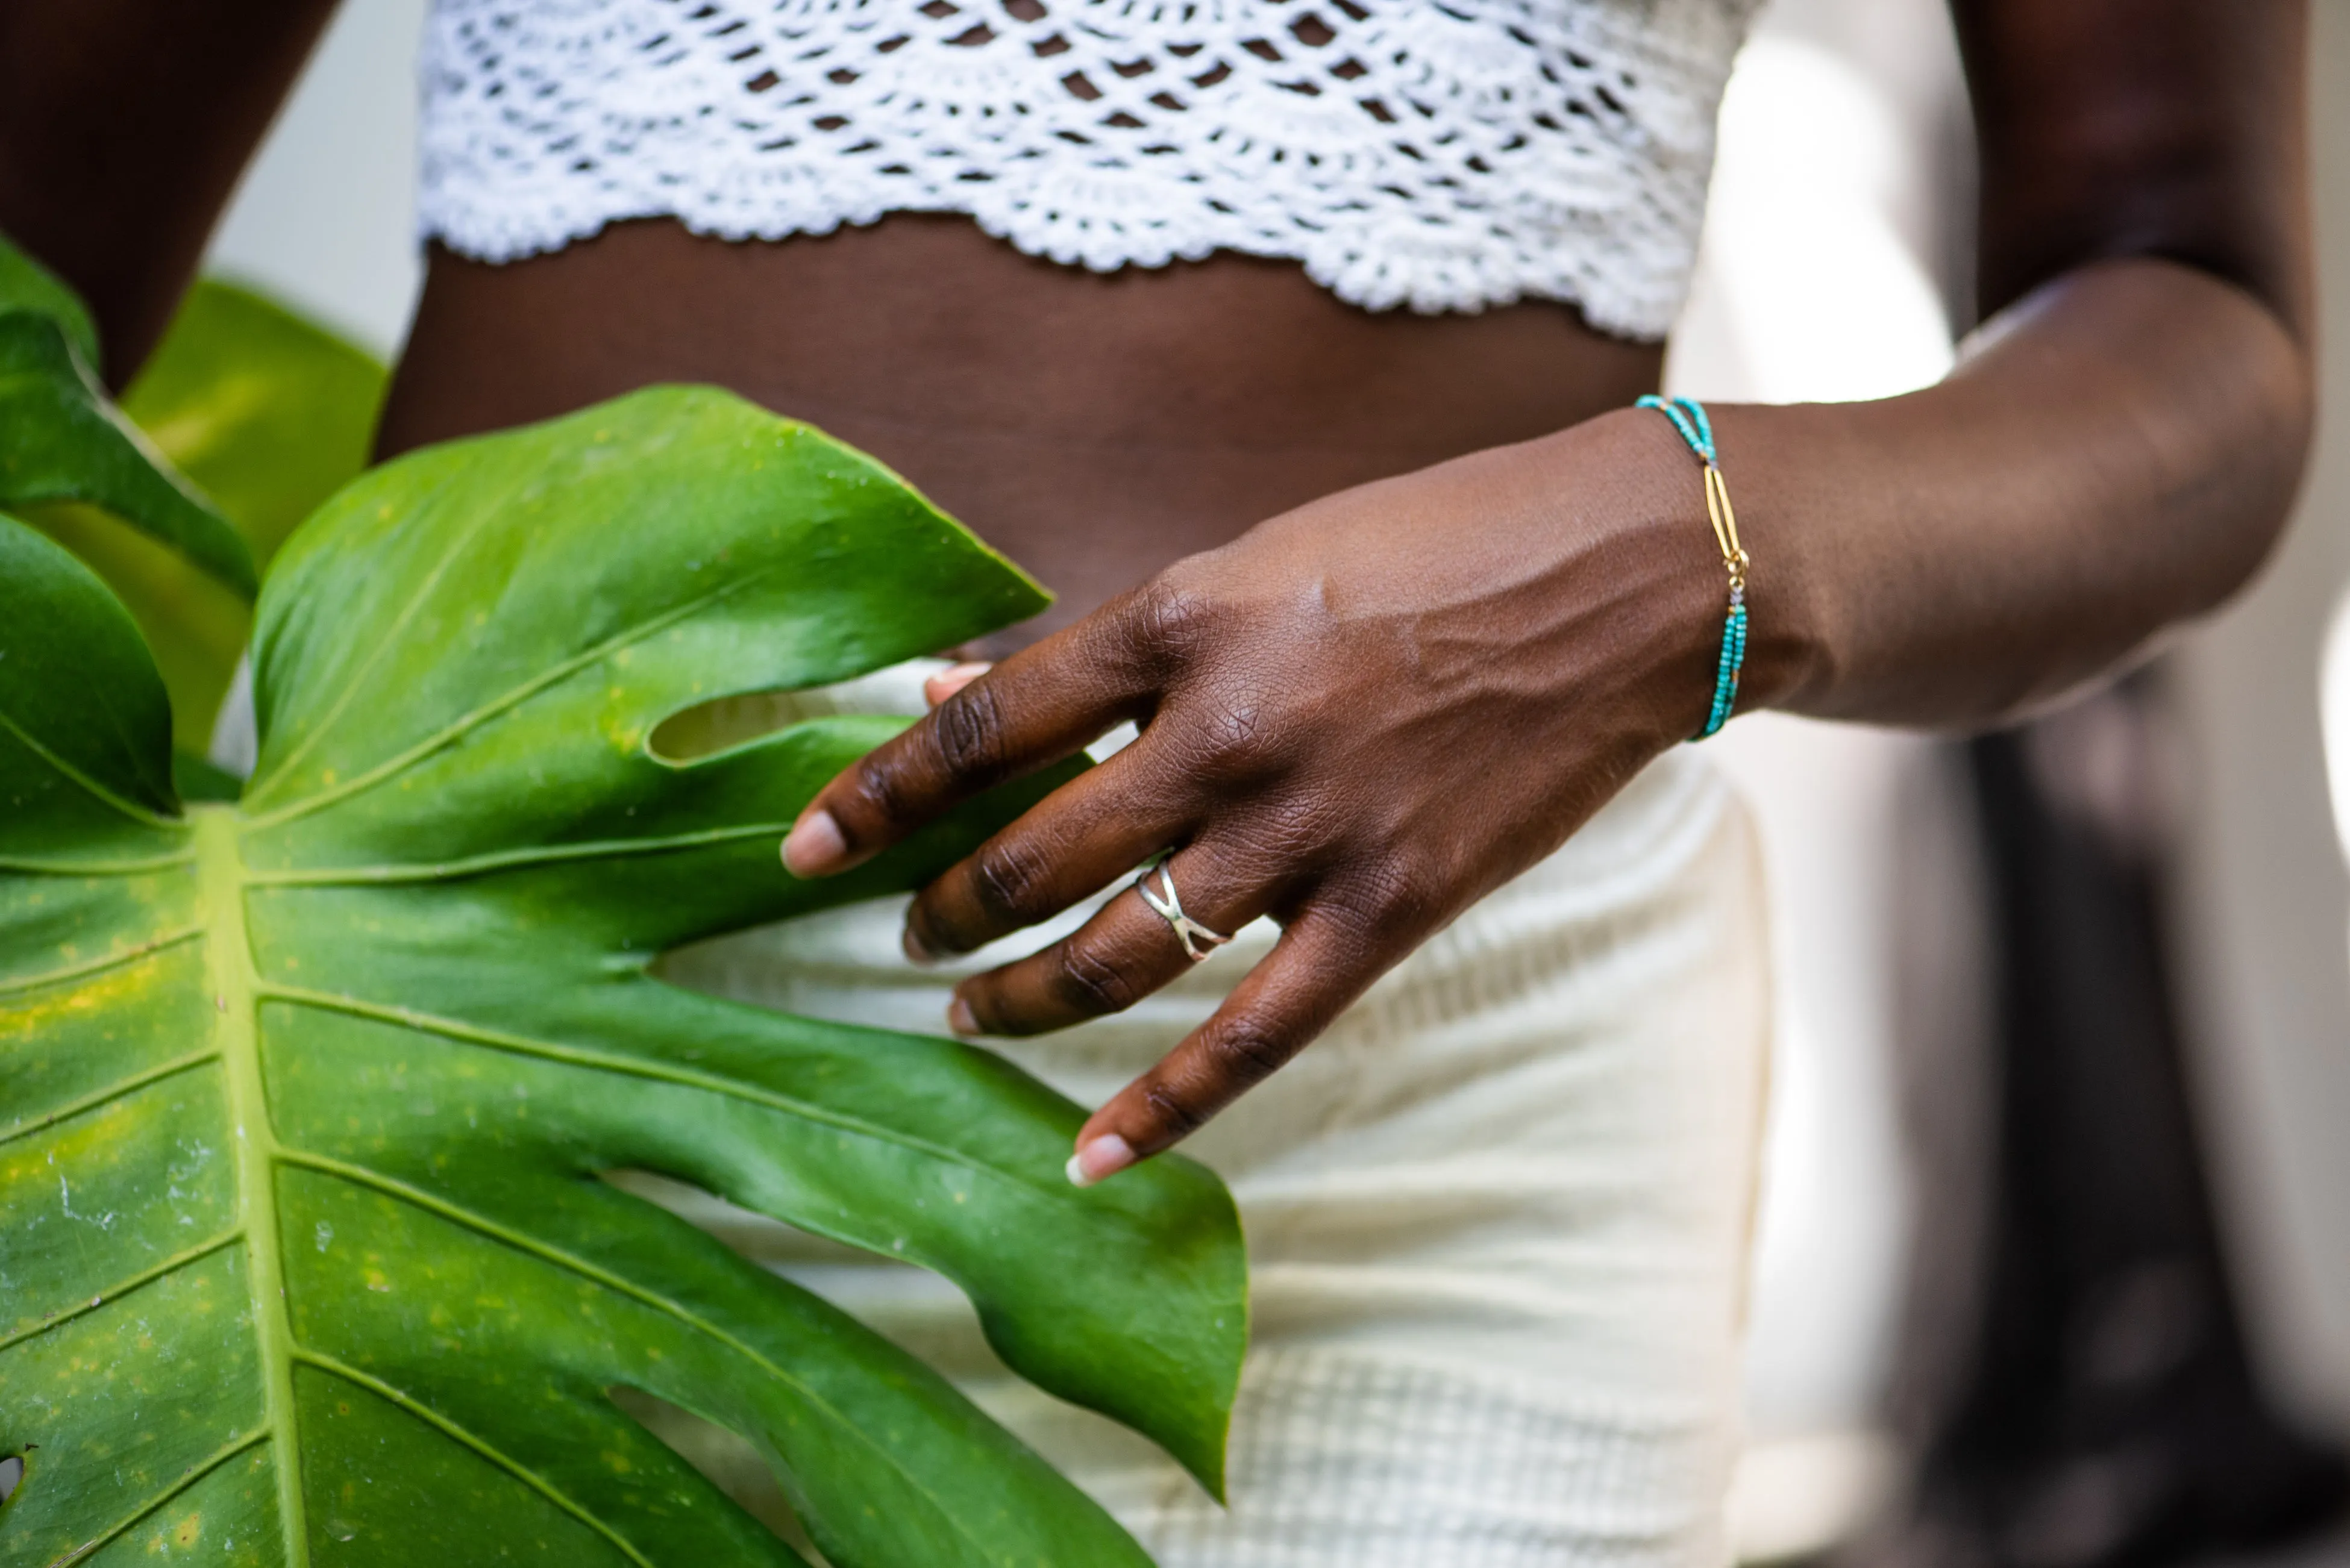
[(1071, 844), (1125, 953)]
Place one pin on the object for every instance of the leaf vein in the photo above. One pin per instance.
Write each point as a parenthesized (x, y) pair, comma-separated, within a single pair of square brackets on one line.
[(146, 1276), (452, 1430), (389, 640), (458, 1214), (95, 790), (114, 1091), (466, 722), (99, 965), (477, 865), (196, 1472), (32, 865), (660, 1072)]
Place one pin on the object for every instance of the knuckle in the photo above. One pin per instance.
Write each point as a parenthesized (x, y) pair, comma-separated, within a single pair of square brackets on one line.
[(1392, 894), (1169, 618), (1384, 919), (1172, 1111), (1092, 983), (1290, 827), (1233, 738), (1008, 882), (1247, 1053), (882, 786), (1397, 897), (969, 729), (1230, 731)]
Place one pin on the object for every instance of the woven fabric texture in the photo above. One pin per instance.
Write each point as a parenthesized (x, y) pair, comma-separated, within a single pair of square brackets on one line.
[(1447, 157), (1496, 1217)]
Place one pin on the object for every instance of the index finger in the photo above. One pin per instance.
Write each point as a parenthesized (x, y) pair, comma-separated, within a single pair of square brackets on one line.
[(1033, 710)]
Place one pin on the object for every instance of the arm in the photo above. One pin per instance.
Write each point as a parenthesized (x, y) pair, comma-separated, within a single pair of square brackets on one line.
[(1367, 714), (124, 125), (2121, 442)]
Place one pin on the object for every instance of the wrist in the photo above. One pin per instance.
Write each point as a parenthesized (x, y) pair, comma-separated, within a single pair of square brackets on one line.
[(1588, 578), (1778, 648)]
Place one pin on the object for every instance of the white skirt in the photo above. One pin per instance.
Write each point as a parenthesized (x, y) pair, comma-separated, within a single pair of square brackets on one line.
[(1497, 1217)]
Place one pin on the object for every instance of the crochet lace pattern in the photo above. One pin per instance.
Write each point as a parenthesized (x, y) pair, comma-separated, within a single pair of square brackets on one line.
[(1442, 156)]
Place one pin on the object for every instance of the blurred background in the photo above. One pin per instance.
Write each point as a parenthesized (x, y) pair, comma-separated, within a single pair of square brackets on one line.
[(2053, 1264)]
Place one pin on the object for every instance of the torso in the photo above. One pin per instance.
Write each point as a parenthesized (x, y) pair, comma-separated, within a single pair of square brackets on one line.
[(1094, 427)]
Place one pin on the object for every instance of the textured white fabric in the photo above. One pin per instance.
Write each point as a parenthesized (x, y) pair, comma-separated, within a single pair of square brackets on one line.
[(1496, 1217), (1445, 156)]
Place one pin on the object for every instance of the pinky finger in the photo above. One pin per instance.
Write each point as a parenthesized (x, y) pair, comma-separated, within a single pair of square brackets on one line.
[(1311, 976)]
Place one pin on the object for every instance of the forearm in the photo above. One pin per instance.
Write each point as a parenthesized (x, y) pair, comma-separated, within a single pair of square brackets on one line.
[(124, 125), (2116, 453)]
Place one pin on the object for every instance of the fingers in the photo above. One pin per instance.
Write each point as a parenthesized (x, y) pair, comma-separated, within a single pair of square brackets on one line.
[(1313, 974), (1124, 953), (1034, 709), (1086, 835)]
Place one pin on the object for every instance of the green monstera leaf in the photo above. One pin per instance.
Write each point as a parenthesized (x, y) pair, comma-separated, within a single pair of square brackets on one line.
[(62, 440), (266, 414), (307, 1252), (27, 285)]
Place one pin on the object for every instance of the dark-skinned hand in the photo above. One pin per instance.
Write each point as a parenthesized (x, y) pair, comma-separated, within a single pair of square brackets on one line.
[(1355, 720)]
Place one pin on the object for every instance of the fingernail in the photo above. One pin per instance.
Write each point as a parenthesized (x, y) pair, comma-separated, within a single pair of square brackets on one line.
[(960, 1017), (916, 952), (952, 680), (814, 845), (1103, 1158)]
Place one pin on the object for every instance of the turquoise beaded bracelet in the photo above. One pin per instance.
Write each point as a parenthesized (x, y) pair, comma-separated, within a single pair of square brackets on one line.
[(1689, 418)]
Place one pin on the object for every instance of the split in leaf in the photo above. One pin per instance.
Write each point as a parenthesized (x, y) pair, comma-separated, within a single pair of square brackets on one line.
[(244, 403), (61, 440), (304, 1239)]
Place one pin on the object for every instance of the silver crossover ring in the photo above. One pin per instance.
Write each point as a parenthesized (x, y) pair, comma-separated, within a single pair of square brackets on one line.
[(1198, 940)]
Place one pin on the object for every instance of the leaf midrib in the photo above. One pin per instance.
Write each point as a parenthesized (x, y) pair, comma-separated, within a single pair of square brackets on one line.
[(238, 990), (219, 895)]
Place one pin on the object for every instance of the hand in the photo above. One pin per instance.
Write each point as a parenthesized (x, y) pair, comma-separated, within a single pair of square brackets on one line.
[(1356, 719)]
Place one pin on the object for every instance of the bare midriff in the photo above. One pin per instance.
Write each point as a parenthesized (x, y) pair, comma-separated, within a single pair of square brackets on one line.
[(1093, 427)]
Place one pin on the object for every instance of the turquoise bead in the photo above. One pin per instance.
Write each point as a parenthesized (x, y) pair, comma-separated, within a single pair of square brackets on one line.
[(1688, 417)]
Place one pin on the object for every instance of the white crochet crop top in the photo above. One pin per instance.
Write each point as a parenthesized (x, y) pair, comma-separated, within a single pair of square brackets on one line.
[(1442, 154)]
